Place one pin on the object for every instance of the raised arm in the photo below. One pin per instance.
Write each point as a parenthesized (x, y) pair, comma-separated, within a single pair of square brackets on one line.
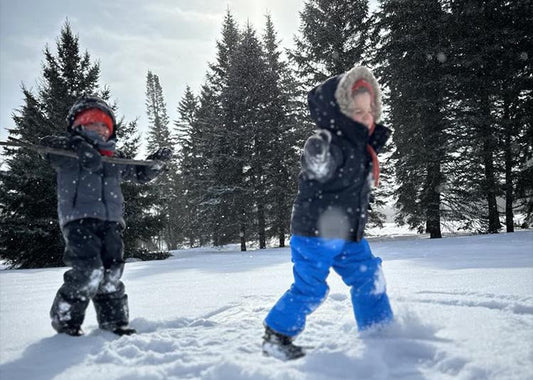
[(143, 174)]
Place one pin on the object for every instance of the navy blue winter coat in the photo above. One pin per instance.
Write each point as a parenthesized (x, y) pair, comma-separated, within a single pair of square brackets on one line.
[(335, 204), (85, 194)]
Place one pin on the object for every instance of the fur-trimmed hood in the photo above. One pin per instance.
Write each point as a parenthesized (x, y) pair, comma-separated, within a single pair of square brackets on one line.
[(343, 93)]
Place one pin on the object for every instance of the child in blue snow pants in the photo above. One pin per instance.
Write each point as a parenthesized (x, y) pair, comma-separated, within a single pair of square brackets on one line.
[(339, 166), (313, 258)]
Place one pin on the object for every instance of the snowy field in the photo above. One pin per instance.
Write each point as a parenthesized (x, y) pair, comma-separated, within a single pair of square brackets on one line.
[(463, 305)]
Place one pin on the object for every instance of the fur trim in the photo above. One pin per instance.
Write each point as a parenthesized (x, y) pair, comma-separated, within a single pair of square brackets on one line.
[(343, 93)]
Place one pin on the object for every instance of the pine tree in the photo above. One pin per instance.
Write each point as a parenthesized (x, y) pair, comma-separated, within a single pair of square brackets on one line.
[(492, 92), (30, 235), (214, 123), (156, 109), (285, 131), (188, 158), (515, 97), (410, 60), (167, 184), (243, 141), (334, 35), (204, 146), (141, 224)]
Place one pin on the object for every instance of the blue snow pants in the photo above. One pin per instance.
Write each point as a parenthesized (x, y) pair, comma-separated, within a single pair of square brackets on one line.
[(312, 258)]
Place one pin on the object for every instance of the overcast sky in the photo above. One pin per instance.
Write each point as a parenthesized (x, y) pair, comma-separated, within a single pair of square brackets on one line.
[(175, 39)]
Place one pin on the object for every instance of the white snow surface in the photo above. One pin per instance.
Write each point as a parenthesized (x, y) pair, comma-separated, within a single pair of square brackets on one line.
[(463, 308)]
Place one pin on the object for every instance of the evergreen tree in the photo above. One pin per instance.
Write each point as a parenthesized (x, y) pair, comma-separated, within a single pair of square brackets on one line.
[(244, 140), (30, 235), (334, 35), (217, 76), (156, 110), (474, 89), (410, 60), (513, 108), (167, 185), (215, 123), (141, 224), (204, 138), (492, 87), (285, 131), (188, 166)]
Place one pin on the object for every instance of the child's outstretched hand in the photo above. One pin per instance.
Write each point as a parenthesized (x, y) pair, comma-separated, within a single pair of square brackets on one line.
[(56, 142), (90, 158), (162, 154)]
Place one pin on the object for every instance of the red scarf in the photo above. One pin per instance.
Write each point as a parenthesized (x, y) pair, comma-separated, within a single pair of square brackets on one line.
[(375, 163)]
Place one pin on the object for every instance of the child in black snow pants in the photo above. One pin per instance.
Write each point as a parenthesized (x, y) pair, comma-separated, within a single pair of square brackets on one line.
[(330, 211), (90, 210)]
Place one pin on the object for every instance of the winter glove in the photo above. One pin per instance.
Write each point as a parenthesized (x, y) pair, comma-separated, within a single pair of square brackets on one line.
[(317, 161), (90, 158), (55, 142), (162, 154)]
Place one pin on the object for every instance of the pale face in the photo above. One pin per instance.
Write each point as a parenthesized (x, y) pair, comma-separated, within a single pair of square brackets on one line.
[(363, 109), (100, 128)]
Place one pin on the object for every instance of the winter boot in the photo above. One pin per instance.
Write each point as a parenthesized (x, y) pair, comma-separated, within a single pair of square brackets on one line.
[(124, 330), (118, 329), (66, 329), (280, 346)]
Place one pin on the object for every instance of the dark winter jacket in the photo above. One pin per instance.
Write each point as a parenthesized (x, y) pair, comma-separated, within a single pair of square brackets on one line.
[(334, 184), (82, 193)]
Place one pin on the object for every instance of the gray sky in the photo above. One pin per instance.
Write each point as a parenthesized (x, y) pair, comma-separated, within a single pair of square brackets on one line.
[(175, 39)]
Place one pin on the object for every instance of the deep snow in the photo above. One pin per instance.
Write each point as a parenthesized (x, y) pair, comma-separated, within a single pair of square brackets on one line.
[(463, 305)]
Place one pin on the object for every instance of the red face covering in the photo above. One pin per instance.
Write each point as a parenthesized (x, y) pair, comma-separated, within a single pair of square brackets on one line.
[(93, 115)]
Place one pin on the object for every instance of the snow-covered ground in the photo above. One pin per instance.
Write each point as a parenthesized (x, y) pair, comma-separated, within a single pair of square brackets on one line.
[(463, 305)]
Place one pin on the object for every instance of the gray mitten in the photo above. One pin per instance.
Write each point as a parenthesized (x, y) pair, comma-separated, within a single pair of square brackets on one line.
[(317, 161)]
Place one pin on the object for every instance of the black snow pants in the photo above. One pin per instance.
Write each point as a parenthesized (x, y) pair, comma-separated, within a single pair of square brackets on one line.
[(94, 250)]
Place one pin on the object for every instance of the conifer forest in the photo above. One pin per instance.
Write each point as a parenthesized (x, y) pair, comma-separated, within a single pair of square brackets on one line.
[(457, 81)]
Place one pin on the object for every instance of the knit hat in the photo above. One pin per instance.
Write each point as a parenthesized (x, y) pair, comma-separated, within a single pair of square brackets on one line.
[(91, 103), (93, 115)]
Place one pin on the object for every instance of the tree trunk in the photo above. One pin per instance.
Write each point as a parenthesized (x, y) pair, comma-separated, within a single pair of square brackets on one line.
[(216, 236), (261, 224), (494, 217), (509, 196), (433, 200), (488, 146), (242, 235), (490, 187), (280, 220)]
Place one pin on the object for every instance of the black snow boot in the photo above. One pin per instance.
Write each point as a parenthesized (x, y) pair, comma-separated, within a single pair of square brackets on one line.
[(280, 346), (119, 329), (66, 329), (124, 330)]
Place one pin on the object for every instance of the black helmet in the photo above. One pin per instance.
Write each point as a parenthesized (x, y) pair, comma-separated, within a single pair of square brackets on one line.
[(86, 102)]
